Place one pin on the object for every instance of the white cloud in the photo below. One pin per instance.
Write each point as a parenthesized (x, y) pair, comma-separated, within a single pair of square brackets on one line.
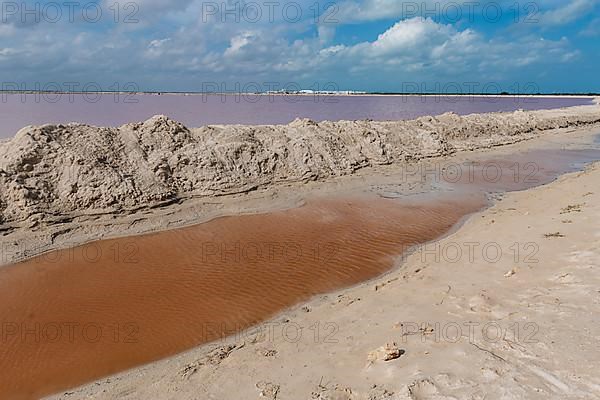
[(156, 48), (409, 44), (6, 52), (192, 51), (237, 43), (326, 33), (415, 34), (420, 48), (567, 13)]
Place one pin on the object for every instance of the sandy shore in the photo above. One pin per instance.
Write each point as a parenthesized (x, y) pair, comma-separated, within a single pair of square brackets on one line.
[(466, 325), (438, 313), (63, 185)]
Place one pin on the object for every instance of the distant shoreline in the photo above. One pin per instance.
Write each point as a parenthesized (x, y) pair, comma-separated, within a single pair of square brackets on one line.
[(546, 95)]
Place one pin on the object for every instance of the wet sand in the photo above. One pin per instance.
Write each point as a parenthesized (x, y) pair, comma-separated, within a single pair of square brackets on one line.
[(75, 315)]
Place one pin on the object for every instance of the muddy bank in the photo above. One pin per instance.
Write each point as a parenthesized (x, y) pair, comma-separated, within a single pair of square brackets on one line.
[(51, 172)]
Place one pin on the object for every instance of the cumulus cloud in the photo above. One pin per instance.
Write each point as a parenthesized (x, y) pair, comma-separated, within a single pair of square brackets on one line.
[(186, 53), (421, 45), (237, 43), (408, 45)]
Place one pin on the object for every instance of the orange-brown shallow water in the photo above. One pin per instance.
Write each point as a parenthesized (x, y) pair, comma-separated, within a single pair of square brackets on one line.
[(75, 315)]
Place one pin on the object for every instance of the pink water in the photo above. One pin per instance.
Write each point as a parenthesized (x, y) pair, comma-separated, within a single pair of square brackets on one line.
[(19, 110)]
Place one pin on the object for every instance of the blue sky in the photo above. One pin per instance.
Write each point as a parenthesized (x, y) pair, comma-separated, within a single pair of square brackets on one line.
[(371, 45)]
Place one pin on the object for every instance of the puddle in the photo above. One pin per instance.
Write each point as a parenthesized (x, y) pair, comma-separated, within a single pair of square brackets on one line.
[(79, 314), (516, 171)]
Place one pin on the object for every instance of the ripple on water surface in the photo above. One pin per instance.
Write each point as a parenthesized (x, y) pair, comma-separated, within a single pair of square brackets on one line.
[(82, 313)]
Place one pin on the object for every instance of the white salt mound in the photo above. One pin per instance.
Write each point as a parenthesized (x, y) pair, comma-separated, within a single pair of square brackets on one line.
[(65, 170)]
